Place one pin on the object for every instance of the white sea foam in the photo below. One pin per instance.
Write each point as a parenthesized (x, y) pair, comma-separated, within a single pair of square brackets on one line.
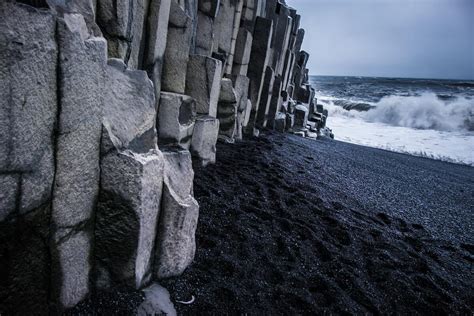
[(422, 126), (425, 111)]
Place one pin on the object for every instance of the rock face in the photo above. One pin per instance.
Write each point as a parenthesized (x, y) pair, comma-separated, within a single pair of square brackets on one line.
[(176, 119), (203, 83), (155, 44), (257, 65), (122, 22), (28, 113), (88, 90), (227, 111), (175, 244), (180, 32), (203, 144), (82, 77), (126, 219)]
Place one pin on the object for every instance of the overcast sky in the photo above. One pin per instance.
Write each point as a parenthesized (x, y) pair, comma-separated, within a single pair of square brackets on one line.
[(392, 38)]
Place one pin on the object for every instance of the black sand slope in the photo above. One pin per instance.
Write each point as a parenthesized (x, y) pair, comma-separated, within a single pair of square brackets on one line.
[(294, 226)]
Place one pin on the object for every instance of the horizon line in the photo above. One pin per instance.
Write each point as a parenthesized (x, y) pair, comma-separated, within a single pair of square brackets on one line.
[(388, 77)]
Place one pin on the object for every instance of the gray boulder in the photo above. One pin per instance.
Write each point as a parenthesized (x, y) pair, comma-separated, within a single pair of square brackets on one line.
[(203, 82), (176, 118), (203, 144), (175, 244)]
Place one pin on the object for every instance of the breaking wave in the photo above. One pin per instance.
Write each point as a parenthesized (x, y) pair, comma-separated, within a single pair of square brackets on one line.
[(423, 111)]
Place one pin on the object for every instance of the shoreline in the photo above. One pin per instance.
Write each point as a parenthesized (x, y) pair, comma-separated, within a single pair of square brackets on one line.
[(272, 239), (444, 159), (277, 235)]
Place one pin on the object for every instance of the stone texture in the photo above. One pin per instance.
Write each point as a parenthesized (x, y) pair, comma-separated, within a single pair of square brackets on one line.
[(250, 11), (203, 144), (203, 83), (130, 107), (303, 94), (176, 118), (28, 111), (123, 22), (157, 35), (227, 111), (275, 101), (127, 216), (266, 96), (204, 35), (86, 8), (290, 121), (241, 87), (178, 45), (243, 46), (246, 114), (82, 72), (223, 27), (299, 40), (209, 7), (175, 244), (301, 116), (280, 122), (258, 63)]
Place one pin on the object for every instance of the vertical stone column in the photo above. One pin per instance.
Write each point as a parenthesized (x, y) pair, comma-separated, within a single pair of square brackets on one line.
[(178, 44), (131, 181), (82, 82), (257, 65), (123, 24), (156, 38), (28, 113), (266, 96), (175, 241)]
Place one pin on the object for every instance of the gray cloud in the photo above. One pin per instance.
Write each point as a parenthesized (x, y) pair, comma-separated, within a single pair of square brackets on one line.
[(396, 38)]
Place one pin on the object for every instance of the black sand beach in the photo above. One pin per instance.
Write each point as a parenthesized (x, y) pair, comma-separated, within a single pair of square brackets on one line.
[(290, 225), (295, 226)]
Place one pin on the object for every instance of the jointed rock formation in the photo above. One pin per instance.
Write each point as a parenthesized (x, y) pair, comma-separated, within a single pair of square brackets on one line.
[(102, 105)]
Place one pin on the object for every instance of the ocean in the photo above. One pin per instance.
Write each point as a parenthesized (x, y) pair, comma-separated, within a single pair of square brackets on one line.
[(422, 117)]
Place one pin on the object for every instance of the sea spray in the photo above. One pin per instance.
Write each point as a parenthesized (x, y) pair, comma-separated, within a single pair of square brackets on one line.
[(425, 111), (429, 118)]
